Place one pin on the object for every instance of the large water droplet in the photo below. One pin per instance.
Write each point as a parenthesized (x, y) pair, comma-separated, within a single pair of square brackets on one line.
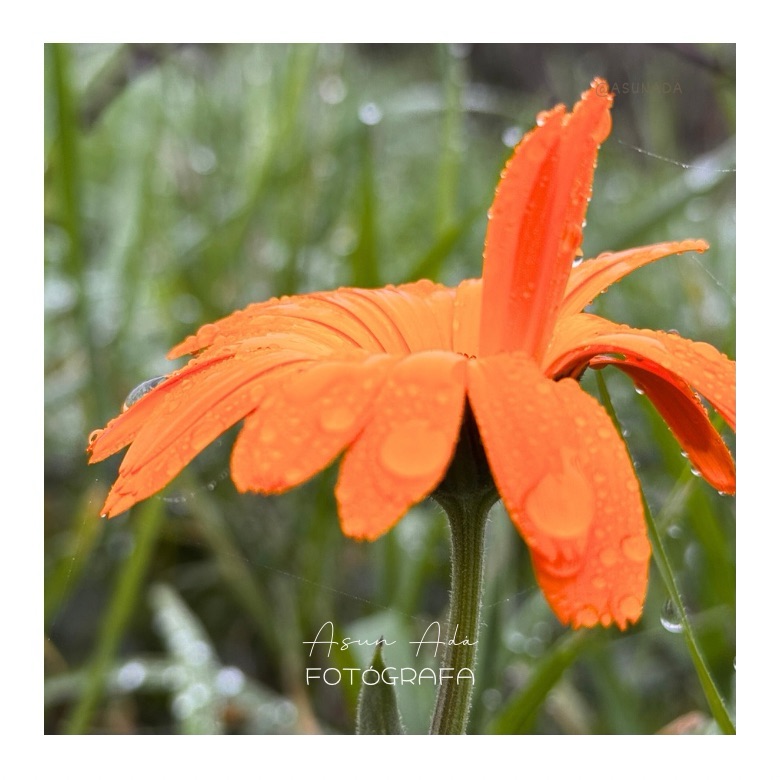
[(137, 393), (670, 618), (414, 449), (562, 504)]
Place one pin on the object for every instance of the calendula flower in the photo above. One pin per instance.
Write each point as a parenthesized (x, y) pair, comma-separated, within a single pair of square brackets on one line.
[(388, 376)]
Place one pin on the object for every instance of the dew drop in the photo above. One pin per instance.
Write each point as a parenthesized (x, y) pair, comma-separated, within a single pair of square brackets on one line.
[(631, 607), (337, 418), (670, 618), (588, 616), (131, 676), (137, 393), (93, 436), (229, 681), (413, 449), (608, 556), (639, 390), (370, 114), (695, 472), (511, 136), (562, 504), (636, 548), (207, 332)]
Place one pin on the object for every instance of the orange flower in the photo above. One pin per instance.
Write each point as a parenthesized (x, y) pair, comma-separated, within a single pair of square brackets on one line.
[(385, 375)]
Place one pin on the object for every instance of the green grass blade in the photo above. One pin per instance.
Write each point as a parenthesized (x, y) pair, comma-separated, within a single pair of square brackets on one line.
[(714, 699), (68, 173), (130, 581), (519, 714)]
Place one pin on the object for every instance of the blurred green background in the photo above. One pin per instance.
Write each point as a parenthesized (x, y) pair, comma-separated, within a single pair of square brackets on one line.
[(185, 181)]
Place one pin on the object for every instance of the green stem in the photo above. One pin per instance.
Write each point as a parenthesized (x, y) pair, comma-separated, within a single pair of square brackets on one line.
[(466, 494), (468, 521)]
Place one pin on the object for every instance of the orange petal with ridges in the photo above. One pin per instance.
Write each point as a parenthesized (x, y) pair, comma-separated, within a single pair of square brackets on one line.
[(582, 337), (121, 431), (466, 316), (592, 277), (568, 485), (305, 421), (687, 419), (312, 323), (203, 406), (420, 313), (535, 225), (405, 449)]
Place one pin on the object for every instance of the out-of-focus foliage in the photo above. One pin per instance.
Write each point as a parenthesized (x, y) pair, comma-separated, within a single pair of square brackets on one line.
[(185, 181)]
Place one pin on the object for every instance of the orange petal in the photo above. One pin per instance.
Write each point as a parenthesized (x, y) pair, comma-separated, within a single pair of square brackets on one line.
[(592, 277), (535, 225), (420, 314), (321, 324), (121, 431), (569, 486), (466, 316), (687, 418), (405, 449), (201, 407), (397, 319), (305, 421), (582, 337)]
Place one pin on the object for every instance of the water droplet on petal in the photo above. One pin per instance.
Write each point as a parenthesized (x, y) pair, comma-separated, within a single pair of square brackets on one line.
[(93, 436), (337, 418), (414, 449), (631, 607), (588, 616), (608, 556), (137, 393), (636, 548), (562, 504), (670, 618), (639, 390)]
